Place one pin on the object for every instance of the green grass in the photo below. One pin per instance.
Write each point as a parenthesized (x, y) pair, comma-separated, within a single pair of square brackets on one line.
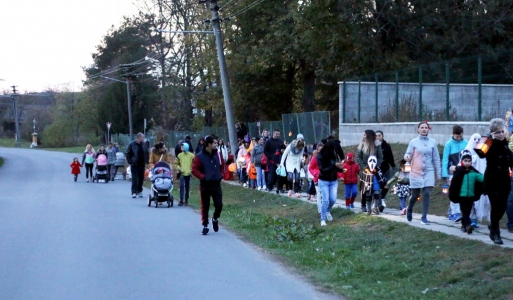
[(1, 161), (361, 257), (11, 143)]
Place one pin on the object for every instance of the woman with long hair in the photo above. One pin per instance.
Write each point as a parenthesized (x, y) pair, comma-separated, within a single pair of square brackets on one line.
[(369, 146), (328, 180), (291, 159), (422, 154), (88, 160)]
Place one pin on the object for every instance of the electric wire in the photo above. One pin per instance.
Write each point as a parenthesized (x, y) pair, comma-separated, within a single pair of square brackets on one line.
[(223, 9), (246, 8)]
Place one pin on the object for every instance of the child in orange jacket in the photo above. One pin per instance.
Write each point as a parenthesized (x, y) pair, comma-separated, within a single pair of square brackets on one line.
[(350, 177), (75, 168)]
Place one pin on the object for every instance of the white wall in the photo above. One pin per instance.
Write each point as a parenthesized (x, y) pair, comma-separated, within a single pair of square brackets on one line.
[(351, 133)]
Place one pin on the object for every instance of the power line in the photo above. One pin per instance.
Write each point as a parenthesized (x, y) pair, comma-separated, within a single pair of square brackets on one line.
[(246, 8), (222, 8)]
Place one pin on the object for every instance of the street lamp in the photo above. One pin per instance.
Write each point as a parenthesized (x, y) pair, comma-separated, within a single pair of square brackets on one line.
[(129, 100), (108, 131)]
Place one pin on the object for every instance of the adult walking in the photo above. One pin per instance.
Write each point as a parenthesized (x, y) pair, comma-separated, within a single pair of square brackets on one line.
[(88, 161), (451, 157), (270, 148), (369, 146), (256, 159), (159, 153), (422, 153), (387, 164), (496, 177), (207, 168), (291, 159), (111, 161), (328, 181), (137, 157), (200, 145)]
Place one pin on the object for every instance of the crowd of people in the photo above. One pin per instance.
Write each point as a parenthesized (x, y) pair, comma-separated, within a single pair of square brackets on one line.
[(479, 184)]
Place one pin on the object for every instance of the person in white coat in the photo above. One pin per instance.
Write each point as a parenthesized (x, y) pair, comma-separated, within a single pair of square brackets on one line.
[(291, 159), (423, 155)]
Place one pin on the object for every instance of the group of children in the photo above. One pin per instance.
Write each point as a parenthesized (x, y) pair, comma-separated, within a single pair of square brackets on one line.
[(109, 157)]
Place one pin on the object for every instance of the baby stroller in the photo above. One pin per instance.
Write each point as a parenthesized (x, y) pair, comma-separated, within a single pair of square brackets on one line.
[(161, 185), (120, 163), (101, 169)]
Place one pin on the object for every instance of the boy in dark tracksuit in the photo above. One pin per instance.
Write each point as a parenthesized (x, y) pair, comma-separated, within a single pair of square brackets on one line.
[(207, 167), (466, 187)]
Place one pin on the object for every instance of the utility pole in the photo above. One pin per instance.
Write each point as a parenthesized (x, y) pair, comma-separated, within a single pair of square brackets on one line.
[(224, 75), (15, 111), (127, 77)]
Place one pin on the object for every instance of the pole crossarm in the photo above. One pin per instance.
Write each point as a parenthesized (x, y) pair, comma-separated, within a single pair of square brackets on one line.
[(182, 31), (113, 79)]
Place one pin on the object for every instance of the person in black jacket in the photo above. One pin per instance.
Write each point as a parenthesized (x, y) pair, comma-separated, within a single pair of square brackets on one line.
[(387, 164), (328, 181), (207, 167), (496, 177), (270, 148), (137, 157)]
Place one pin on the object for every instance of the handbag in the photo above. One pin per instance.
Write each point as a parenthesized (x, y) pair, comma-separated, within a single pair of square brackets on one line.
[(302, 173)]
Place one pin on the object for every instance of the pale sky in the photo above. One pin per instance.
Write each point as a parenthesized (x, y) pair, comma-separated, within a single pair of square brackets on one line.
[(45, 43)]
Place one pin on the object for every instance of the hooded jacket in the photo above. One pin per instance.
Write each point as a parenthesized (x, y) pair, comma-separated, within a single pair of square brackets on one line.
[(184, 161), (451, 156), (351, 170)]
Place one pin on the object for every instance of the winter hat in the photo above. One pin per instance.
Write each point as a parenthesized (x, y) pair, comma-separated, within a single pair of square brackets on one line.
[(186, 147), (350, 156), (300, 137), (465, 154)]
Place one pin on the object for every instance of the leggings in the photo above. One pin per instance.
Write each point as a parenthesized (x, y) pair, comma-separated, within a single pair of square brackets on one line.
[(426, 192), (89, 170)]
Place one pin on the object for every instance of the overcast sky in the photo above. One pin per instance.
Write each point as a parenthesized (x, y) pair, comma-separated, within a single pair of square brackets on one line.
[(45, 43)]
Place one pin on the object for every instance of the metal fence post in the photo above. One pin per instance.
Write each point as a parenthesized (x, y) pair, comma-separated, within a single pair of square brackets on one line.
[(343, 102), (359, 99), (397, 96), (479, 93), (447, 87), (420, 93), (377, 118)]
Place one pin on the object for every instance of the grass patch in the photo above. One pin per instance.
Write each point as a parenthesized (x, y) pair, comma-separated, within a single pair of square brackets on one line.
[(363, 257), (1, 161)]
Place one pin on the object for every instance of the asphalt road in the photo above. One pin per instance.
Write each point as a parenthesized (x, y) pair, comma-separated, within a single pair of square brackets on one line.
[(61, 239)]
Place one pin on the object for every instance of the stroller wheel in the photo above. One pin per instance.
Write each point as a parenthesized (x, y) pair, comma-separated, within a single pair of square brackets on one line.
[(170, 201), (149, 200)]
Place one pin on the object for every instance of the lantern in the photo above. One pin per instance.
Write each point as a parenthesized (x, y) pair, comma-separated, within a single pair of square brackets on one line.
[(232, 167), (445, 188), (483, 146), (407, 167)]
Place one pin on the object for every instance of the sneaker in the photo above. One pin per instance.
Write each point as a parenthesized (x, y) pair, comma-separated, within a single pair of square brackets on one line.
[(381, 208), (424, 221), (369, 211), (87, 180), (364, 209), (180, 203), (457, 218), (409, 215), (403, 211), (348, 206), (186, 203), (134, 195), (298, 195), (329, 217), (473, 223), (277, 192), (470, 228), (510, 228), (352, 205), (375, 211), (259, 188), (463, 228), (215, 225), (290, 194), (205, 230), (451, 218), (245, 185), (140, 195), (323, 223)]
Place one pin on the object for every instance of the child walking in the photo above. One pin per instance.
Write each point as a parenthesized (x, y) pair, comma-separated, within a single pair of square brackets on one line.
[(75, 168), (466, 187), (350, 177), (401, 179)]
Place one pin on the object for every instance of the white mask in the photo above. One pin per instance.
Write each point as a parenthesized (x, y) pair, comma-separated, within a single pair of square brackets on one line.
[(372, 162)]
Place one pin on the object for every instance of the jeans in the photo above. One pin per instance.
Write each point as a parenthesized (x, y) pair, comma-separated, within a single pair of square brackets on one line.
[(271, 180), (260, 177), (185, 184), (426, 192), (137, 178), (329, 196)]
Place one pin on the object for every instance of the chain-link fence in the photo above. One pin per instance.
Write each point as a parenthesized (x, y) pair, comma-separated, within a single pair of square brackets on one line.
[(471, 89)]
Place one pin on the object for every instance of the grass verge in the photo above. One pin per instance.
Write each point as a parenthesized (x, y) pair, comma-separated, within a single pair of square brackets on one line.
[(1, 161), (362, 257)]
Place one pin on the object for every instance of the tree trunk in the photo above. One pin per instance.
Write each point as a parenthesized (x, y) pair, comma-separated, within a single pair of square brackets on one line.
[(308, 101)]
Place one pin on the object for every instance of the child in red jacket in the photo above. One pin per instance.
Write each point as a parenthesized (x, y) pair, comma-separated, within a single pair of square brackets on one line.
[(75, 168), (350, 177)]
